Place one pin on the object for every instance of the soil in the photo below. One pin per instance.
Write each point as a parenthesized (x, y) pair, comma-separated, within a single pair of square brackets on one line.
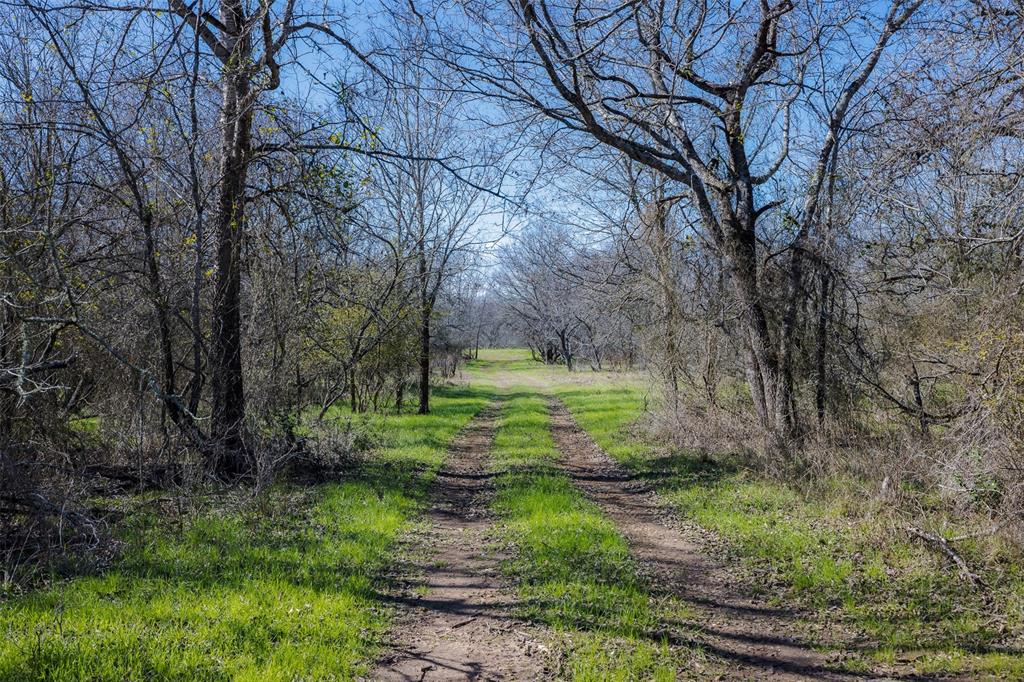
[(752, 639), (455, 619)]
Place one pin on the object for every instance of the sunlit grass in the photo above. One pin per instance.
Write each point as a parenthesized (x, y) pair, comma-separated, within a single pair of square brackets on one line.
[(505, 355), (287, 589), (283, 590), (571, 565), (831, 548)]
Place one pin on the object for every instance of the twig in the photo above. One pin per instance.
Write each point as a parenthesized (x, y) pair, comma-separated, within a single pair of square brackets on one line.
[(943, 544)]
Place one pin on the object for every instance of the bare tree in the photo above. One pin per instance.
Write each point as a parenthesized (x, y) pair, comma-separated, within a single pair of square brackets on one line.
[(440, 188), (662, 84)]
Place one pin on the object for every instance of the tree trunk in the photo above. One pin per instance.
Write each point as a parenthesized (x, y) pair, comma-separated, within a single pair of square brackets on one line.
[(661, 245), (172, 408), (914, 380), (795, 296), (772, 396), (426, 309), (352, 397), (8, 400), (195, 388), (228, 394), (563, 339), (425, 362), (821, 352)]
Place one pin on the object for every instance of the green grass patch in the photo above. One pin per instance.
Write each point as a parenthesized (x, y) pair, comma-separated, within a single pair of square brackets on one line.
[(85, 425), (571, 565), (831, 548), (609, 414), (281, 589), (515, 360)]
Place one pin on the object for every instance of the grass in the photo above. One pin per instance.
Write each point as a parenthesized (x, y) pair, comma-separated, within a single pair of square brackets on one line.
[(507, 359), (283, 591), (833, 548), (286, 587), (571, 566)]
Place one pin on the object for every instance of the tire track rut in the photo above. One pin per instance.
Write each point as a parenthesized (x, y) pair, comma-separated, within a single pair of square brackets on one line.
[(455, 621), (752, 639)]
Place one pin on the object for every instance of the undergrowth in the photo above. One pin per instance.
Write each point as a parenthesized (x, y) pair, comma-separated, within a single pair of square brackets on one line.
[(833, 547), (283, 588)]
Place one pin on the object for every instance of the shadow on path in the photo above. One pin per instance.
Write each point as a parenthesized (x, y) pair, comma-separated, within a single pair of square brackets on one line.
[(455, 620), (752, 639)]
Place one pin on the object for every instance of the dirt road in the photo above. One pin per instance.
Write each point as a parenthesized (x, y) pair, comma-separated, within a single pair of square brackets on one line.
[(455, 621), (755, 641)]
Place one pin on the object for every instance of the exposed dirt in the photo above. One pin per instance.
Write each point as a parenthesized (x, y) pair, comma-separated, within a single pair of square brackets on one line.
[(455, 623), (754, 640)]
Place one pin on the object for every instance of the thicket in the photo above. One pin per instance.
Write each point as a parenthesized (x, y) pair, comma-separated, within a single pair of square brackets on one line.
[(804, 220), (206, 248)]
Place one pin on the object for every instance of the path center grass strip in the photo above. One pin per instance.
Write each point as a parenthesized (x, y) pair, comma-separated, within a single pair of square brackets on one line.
[(572, 567), (284, 591), (831, 550)]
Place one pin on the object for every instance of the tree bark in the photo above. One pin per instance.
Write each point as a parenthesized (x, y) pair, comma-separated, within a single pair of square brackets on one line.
[(425, 362), (795, 296), (661, 245), (352, 397), (563, 340), (914, 380), (172, 407), (821, 352), (771, 394), (227, 388)]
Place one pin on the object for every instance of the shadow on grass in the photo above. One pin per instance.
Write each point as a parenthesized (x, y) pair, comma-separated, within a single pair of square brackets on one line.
[(927, 611), (676, 470), (279, 588)]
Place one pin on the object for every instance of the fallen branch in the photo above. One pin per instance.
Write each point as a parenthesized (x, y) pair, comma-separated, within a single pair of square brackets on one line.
[(127, 477), (942, 543)]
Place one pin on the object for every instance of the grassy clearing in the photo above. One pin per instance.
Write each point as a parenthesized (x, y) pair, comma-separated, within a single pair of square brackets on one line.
[(282, 591), (572, 566), (506, 359), (514, 368), (833, 548)]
